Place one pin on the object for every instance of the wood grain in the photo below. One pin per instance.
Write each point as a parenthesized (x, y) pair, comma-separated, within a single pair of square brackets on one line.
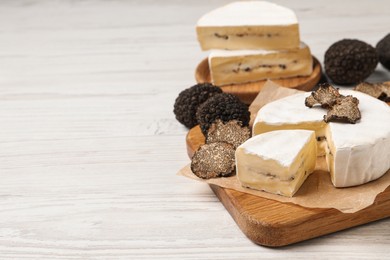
[(89, 146), (272, 223), (247, 92)]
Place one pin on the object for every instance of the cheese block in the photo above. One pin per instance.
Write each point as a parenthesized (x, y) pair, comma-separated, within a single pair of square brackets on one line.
[(355, 153), (249, 25), (229, 67), (263, 163)]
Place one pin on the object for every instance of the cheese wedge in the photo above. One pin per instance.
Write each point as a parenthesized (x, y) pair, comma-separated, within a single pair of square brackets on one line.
[(263, 163), (355, 153), (228, 67), (249, 25)]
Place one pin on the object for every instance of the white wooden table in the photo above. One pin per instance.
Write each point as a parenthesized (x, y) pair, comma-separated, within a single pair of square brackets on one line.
[(89, 146)]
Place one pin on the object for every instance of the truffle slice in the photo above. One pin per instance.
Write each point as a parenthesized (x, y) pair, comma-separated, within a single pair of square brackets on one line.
[(350, 61), (310, 101), (326, 95), (188, 101), (231, 132), (345, 110), (383, 50), (377, 90), (213, 160), (386, 92), (222, 106), (340, 108)]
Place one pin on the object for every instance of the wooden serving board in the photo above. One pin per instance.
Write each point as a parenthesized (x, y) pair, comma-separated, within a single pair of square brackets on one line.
[(248, 91), (272, 223)]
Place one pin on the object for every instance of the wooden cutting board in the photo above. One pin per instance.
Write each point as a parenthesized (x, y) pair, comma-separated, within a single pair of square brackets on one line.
[(272, 223), (248, 91)]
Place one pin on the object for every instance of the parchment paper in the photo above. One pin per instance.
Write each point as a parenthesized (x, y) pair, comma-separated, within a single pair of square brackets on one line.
[(317, 191)]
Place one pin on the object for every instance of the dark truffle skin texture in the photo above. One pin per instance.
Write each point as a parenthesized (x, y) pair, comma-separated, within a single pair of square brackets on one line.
[(345, 110), (231, 132), (383, 50), (340, 108), (214, 160), (350, 61), (223, 106), (326, 95), (188, 101), (380, 91)]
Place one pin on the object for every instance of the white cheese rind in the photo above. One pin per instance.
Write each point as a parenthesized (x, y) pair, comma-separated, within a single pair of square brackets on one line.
[(262, 164), (241, 66), (269, 145), (249, 13), (249, 25), (359, 152)]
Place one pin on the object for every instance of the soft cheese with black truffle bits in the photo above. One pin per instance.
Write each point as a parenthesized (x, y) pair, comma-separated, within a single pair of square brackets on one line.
[(241, 66), (263, 163), (252, 41), (249, 25), (355, 153)]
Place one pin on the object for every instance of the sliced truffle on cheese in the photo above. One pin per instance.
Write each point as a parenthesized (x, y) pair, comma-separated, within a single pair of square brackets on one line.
[(266, 163), (249, 25)]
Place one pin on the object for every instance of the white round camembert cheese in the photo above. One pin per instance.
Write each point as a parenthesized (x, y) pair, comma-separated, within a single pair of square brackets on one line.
[(356, 153)]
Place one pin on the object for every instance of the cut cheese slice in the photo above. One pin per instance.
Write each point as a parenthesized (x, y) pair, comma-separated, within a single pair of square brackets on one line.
[(249, 25), (263, 163), (356, 153), (228, 67)]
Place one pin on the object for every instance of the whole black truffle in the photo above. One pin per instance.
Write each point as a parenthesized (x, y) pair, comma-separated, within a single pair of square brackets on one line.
[(188, 101), (350, 61), (222, 106), (383, 50)]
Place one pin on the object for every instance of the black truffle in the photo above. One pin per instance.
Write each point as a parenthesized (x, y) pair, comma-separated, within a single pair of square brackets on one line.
[(340, 108), (350, 61), (231, 132), (222, 106), (326, 95), (213, 160), (345, 110), (188, 101), (377, 90), (383, 50)]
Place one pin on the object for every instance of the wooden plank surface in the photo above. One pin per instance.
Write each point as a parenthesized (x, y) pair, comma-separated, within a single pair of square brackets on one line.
[(272, 223), (89, 146)]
